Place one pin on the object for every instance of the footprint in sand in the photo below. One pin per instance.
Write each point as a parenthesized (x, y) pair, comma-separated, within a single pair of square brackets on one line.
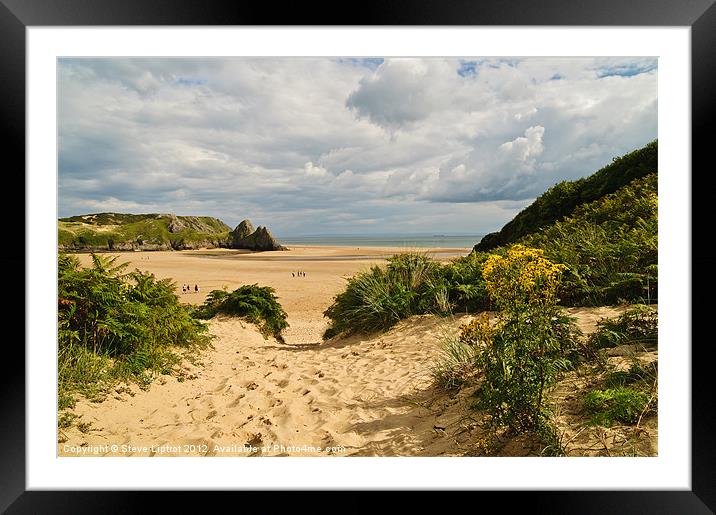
[(221, 385), (255, 440), (235, 402)]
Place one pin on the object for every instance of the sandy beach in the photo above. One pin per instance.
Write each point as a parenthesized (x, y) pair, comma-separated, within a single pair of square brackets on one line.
[(353, 394), (248, 396), (303, 298)]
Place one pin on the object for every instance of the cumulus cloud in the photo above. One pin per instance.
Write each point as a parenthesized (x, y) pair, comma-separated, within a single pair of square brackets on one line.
[(525, 147), (313, 171), (447, 145), (401, 92)]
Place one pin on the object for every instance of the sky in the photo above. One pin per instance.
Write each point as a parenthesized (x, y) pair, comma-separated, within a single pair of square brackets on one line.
[(311, 146)]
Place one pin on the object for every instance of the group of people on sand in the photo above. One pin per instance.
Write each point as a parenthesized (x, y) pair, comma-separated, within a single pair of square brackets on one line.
[(186, 288), (298, 274)]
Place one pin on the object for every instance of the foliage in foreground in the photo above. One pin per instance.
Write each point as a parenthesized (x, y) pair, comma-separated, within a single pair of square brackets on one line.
[(637, 325), (521, 355), (257, 304), (115, 325), (621, 404), (626, 395), (456, 364), (376, 299), (643, 376)]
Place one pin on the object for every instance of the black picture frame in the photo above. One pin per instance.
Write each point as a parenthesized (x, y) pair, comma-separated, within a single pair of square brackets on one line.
[(700, 15)]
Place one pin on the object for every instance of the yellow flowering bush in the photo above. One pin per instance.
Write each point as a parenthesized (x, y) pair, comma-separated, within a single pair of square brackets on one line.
[(520, 355), (523, 277)]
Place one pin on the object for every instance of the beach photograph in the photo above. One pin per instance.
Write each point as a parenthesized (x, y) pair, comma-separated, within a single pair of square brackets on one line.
[(357, 256)]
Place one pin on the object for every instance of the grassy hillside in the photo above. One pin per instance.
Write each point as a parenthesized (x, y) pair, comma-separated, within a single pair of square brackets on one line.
[(610, 246), (562, 199), (118, 231)]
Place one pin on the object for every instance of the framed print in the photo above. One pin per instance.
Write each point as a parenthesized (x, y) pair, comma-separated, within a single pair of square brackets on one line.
[(418, 252)]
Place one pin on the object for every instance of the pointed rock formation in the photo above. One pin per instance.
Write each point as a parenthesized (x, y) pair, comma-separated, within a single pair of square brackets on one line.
[(242, 231), (245, 237)]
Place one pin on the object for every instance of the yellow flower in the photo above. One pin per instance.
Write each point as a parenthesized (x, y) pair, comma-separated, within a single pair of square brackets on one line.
[(478, 331), (522, 276)]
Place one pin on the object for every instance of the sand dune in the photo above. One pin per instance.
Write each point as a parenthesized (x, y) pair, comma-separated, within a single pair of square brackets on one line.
[(359, 395), (353, 394), (249, 396)]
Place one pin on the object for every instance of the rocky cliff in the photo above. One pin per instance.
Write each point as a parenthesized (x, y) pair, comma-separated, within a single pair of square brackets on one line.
[(245, 237), (127, 232)]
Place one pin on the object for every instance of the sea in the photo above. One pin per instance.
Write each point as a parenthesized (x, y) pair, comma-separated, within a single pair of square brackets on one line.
[(403, 241)]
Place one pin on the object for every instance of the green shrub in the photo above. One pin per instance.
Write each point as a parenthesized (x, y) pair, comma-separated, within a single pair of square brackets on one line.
[(519, 356), (571, 350), (637, 325), (459, 360), (114, 325), (257, 304), (413, 269), (465, 284), (619, 404), (374, 300)]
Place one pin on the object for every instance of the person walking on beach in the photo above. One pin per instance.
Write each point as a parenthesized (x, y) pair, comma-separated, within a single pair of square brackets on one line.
[(196, 288)]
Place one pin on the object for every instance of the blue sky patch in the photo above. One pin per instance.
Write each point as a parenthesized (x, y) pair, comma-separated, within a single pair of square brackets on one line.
[(369, 62), (467, 68), (627, 70)]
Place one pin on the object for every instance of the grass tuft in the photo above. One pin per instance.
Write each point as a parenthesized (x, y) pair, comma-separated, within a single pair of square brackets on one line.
[(621, 404), (638, 325), (456, 364)]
